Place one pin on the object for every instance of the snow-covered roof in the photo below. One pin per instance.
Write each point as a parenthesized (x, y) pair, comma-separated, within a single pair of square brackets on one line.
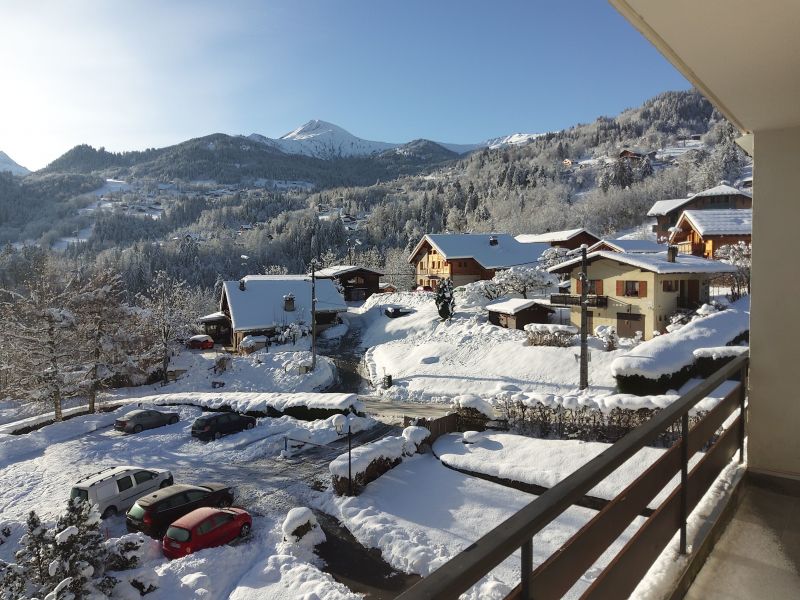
[(511, 306), (551, 236), (663, 207), (216, 316), (507, 252), (260, 304), (632, 246), (655, 262), (337, 270), (729, 221)]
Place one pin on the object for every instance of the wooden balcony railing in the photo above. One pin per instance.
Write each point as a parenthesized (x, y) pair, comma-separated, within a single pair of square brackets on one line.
[(575, 300), (558, 574)]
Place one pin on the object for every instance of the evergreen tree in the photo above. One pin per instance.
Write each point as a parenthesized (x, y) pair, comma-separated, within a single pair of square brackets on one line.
[(445, 301)]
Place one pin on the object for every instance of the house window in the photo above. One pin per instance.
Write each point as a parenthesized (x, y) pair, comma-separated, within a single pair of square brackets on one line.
[(669, 285), (632, 288), (595, 287)]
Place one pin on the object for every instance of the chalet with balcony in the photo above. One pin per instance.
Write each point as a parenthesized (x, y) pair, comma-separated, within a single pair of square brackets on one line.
[(468, 257), (569, 238), (703, 232), (637, 292), (723, 196), (264, 305), (357, 283), (637, 154)]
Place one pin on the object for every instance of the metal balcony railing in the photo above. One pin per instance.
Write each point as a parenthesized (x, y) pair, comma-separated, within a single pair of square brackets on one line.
[(575, 300), (558, 574)]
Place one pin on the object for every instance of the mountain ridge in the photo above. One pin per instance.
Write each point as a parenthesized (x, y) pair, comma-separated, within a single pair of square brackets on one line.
[(8, 164)]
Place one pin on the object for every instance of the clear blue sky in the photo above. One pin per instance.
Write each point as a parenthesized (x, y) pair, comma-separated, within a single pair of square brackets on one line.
[(155, 72)]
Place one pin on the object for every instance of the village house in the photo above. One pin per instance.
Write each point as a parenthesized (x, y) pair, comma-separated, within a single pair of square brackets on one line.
[(722, 196), (262, 306), (568, 238), (703, 232), (515, 313), (357, 283), (630, 246), (468, 257), (638, 292), (637, 154)]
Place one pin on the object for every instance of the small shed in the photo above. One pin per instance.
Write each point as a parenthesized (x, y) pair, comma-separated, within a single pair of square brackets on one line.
[(357, 283), (515, 313), (218, 326)]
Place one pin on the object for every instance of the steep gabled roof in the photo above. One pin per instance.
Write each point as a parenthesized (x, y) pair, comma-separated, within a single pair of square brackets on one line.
[(552, 236), (655, 263), (511, 306), (507, 252), (729, 221), (337, 270), (631, 246), (664, 207), (260, 304)]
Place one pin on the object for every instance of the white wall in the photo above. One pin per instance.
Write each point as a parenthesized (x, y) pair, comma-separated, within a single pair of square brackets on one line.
[(774, 427)]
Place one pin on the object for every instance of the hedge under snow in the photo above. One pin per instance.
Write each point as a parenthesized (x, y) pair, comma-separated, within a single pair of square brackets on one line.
[(261, 401), (474, 401), (391, 448), (669, 353)]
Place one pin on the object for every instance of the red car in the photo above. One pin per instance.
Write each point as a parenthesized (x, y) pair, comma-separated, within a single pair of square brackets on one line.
[(205, 527), (200, 342)]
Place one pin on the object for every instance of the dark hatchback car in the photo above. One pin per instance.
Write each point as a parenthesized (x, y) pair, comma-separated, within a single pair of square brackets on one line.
[(154, 513), (214, 425)]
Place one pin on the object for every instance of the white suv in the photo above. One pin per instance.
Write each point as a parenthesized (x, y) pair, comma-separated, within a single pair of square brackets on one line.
[(115, 489)]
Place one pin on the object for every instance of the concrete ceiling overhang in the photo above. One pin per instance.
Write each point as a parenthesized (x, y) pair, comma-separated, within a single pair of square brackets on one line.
[(743, 55)]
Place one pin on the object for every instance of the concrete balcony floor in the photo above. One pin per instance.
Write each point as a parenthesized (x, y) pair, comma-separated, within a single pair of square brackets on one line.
[(758, 554)]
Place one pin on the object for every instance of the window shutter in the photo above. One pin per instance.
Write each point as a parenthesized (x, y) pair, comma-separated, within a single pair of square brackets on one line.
[(620, 288), (598, 287), (578, 286), (642, 289)]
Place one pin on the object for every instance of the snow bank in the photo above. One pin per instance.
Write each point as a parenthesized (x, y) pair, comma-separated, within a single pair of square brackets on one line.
[(669, 353), (548, 328), (390, 448), (261, 402), (543, 462), (414, 436), (720, 352), (475, 402)]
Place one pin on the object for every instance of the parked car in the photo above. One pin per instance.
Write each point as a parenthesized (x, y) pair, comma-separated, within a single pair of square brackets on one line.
[(116, 488), (200, 342), (424, 288), (215, 425), (138, 420), (205, 528), (396, 311), (153, 513)]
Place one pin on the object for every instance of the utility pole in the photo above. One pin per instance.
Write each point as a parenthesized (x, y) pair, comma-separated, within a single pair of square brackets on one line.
[(584, 320), (313, 314)]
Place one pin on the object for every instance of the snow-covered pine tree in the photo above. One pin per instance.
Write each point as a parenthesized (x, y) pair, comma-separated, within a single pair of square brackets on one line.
[(80, 553), (445, 301), (166, 316), (524, 279), (34, 557), (40, 328)]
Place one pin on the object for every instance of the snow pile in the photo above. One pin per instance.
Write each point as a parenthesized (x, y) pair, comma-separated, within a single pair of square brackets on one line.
[(475, 402), (549, 328), (720, 352), (667, 354), (414, 436), (471, 437), (261, 402), (390, 448), (301, 527)]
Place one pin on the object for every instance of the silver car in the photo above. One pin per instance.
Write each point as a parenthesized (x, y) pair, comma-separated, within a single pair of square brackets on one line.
[(138, 420)]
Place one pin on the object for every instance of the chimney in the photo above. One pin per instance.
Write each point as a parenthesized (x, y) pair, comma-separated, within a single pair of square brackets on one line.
[(241, 284), (493, 241), (672, 253), (288, 302)]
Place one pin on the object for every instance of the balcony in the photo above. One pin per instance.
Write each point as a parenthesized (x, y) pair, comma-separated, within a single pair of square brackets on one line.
[(592, 300), (718, 437)]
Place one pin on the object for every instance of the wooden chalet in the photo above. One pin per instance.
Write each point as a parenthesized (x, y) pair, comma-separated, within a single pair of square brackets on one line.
[(637, 154), (631, 246), (468, 257), (568, 238), (357, 283), (265, 305), (515, 313), (702, 232), (719, 197)]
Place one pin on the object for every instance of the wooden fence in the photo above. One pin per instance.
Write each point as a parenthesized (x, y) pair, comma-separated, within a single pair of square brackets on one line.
[(437, 427)]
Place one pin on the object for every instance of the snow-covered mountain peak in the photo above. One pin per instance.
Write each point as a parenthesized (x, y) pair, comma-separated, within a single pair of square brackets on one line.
[(315, 128), (7, 164)]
